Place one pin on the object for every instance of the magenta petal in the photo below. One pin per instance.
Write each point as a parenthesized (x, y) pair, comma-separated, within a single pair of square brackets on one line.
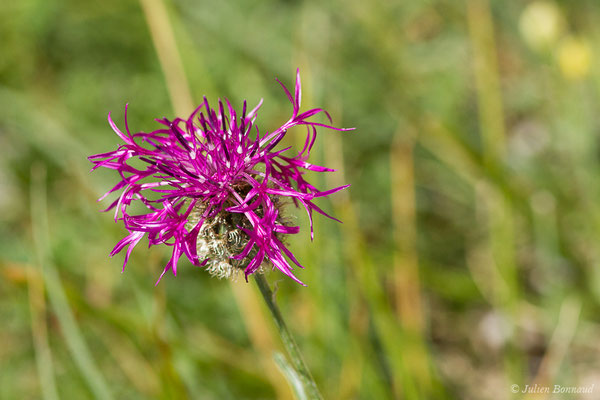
[(209, 164)]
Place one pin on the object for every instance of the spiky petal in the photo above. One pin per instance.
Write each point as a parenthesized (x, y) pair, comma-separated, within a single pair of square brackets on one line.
[(217, 162)]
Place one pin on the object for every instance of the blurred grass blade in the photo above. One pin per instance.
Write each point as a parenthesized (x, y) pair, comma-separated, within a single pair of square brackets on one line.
[(74, 339), (494, 209), (170, 60), (489, 96), (563, 335), (405, 275), (39, 330), (290, 375)]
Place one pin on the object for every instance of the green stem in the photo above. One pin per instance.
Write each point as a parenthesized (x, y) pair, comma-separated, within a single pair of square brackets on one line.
[(310, 387)]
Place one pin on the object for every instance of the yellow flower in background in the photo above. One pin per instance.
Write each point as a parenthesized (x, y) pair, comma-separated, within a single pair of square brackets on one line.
[(541, 24), (543, 28), (574, 57)]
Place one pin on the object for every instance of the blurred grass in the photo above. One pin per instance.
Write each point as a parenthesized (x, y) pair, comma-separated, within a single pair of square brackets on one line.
[(468, 257)]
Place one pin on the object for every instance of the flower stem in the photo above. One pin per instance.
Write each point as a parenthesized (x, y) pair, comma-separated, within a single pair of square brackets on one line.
[(310, 387)]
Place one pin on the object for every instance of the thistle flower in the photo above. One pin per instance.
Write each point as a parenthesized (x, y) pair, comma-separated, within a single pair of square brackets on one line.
[(214, 187)]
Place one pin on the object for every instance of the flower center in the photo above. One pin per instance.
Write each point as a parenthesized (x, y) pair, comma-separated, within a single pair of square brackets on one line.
[(220, 238)]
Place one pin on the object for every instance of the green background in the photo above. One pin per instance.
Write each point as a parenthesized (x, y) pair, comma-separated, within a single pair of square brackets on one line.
[(468, 257)]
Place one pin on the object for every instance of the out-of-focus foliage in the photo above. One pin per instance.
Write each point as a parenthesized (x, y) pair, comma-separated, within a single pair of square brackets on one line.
[(468, 260)]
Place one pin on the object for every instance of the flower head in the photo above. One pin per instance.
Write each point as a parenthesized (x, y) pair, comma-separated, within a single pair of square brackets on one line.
[(214, 186)]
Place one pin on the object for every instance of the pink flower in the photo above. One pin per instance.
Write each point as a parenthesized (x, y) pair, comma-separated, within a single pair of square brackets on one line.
[(214, 187)]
